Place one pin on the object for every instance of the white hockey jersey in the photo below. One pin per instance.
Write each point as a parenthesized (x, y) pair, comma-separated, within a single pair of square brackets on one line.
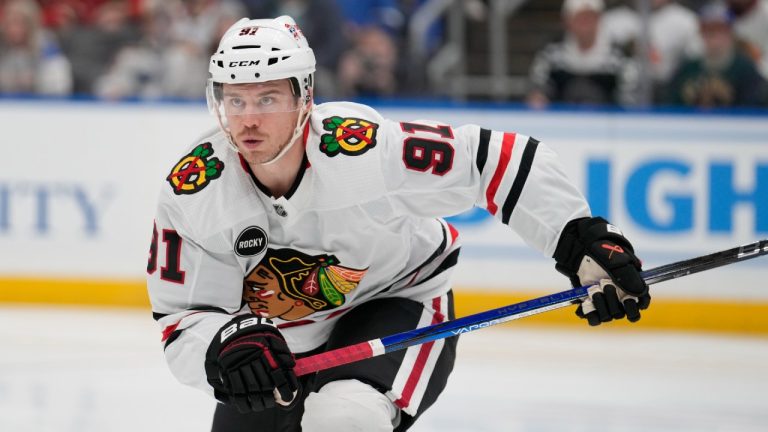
[(361, 221)]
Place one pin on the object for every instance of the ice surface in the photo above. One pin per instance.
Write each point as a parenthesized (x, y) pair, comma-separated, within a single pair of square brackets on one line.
[(83, 370)]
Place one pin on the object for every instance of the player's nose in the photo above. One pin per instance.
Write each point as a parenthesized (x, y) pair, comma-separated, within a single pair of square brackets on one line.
[(252, 120)]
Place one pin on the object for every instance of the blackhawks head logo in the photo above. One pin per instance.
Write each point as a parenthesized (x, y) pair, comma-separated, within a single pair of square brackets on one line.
[(351, 136), (291, 285), (195, 170)]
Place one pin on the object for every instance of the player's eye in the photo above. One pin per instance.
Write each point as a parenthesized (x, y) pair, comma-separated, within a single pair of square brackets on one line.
[(266, 100), (236, 102)]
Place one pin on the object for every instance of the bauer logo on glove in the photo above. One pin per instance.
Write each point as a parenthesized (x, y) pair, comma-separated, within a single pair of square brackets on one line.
[(250, 365)]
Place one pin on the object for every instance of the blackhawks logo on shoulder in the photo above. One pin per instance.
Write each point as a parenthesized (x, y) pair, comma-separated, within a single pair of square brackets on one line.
[(349, 135), (195, 170)]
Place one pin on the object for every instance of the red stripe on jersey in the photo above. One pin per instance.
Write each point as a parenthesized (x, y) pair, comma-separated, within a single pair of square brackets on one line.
[(439, 317), (454, 233), (421, 361), (168, 330), (172, 328), (336, 313), (506, 154), (304, 136), (243, 163), (294, 324)]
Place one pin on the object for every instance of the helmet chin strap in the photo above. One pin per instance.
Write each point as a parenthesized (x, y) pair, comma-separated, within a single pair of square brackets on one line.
[(300, 123)]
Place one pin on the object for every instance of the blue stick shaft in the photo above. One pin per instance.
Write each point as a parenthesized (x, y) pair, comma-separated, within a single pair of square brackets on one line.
[(515, 311), (565, 298), (483, 319)]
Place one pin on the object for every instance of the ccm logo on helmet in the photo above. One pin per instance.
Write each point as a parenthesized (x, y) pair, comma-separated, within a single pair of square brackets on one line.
[(244, 63)]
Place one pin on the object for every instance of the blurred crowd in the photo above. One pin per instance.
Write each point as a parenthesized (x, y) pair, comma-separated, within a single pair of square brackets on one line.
[(713, 56), (704, 54), (150, 49)]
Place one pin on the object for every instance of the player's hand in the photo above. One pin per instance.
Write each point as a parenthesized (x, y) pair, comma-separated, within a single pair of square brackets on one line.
[(249, 365), (593, 252)]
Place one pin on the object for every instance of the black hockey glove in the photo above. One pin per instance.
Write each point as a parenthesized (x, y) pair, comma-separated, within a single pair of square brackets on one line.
[(249, 365), (593, 252)]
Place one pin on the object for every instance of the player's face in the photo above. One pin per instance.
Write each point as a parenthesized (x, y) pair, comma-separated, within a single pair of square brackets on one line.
[(261, 117)]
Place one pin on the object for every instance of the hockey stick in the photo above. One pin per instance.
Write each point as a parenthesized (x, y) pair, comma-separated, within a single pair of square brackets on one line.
[(376, 347)]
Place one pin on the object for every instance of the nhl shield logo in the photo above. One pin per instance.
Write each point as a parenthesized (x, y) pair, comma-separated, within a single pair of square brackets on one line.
[(195, 170), (351, 136)]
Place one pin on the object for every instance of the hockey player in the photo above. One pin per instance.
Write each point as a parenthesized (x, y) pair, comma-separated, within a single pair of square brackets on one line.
[(298, 228)]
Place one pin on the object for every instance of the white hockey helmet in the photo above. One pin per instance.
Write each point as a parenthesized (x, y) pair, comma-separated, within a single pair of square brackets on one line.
[(260, 50)]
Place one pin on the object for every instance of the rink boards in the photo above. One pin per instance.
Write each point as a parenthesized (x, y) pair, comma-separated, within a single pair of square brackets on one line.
[(79, 182)]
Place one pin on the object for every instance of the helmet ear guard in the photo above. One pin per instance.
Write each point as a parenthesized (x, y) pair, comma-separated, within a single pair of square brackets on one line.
[(218, 91)]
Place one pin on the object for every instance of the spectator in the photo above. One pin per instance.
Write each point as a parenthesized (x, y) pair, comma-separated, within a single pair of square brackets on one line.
[(58, 14), (751, 26), (322, 23), (673, 36), (386, 14), (723, 76), (196, 22), (61, 14), (583, 68), (369, 69), (92, 48), (415, 54), (30, 58), (156, 67)]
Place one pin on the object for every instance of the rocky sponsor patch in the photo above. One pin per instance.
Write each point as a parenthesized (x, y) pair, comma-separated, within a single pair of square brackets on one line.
[(252, 241)]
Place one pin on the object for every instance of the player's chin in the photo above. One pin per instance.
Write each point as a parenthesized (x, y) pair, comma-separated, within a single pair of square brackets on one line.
[(265, 159), (254, 157)]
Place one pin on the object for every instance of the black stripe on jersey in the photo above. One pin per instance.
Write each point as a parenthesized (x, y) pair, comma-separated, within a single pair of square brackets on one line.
[(522, 174), (451, 260), (482, 149), (157, 316), (204, 308), (440, 249), (172, 337), (265, 190), (299, 177)]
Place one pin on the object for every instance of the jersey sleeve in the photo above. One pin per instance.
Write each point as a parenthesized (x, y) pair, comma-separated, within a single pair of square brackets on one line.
[(193, 290), (434, 170)]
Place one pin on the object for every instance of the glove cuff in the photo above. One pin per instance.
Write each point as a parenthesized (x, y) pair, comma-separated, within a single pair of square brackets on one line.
[(576, 238)]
